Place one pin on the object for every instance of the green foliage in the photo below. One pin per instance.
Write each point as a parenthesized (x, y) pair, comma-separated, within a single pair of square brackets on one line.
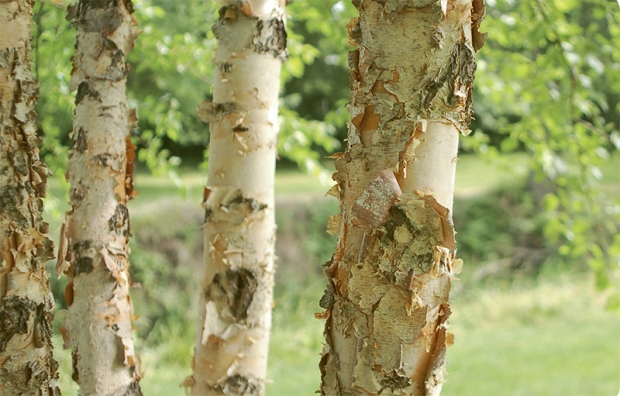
[(52, 48), (171, 72), (547, 83), (299, 139), (323, 91), (492, 225)]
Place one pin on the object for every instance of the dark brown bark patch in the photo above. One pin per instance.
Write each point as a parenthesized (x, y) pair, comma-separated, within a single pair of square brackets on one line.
[(394, 380), (84, 90), (251, 203), (10, 198), (84, 265), (329, 296), (75, 373), (14, 314), (423, 261), (102, 159), (81, 143), (42, 326), (96, 15), (239, 385), (267, 36), (131, 389), (76, 194), (33, 378), (226, 67), (459, 71), (119, 222), (83, 252), (118, 60), (210, 112), (118, 69), (20, 162), (270, 37), (396, 218), (241, 128), (238, 204), (238, 288)]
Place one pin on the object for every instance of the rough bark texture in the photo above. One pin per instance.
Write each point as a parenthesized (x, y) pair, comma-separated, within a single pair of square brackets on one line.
[(388, 281), (233, 328), (94, 238), (26, 303)]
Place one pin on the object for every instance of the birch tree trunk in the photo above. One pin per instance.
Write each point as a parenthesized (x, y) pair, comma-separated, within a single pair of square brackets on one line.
[(389, 278), (26, 302), (235, 318), (94, 240)]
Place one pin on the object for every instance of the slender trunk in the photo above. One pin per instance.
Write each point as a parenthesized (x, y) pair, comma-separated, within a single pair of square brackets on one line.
[(26, 302), (94, 240), (388, 281), (233, 329)]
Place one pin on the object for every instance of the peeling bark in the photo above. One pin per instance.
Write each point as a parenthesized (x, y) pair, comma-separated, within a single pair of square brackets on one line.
[(386, 303), (233, 327), (27, 366), (94, 251)]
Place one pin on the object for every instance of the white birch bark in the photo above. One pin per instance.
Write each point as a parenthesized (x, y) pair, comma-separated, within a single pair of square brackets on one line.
[(26, 302), (233, 328), (94, 251), (388, 281)]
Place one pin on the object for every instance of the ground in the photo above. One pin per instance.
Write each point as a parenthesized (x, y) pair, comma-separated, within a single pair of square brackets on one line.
[(542, 333)]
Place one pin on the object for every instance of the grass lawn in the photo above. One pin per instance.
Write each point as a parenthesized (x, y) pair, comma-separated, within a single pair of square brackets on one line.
[(545, 336), (551, 337)]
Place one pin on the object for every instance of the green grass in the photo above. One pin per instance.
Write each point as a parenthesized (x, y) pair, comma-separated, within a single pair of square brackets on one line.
[(523, 336), (545, 337), (610, 182), (475, 175), (296, 339), (551, 337)]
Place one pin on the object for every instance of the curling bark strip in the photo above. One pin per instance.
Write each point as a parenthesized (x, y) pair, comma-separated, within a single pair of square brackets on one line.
[(235, 318), (94, 251), (26, 303), (386, 303)]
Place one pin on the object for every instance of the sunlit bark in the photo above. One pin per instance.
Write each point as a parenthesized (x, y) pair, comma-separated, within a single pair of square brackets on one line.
[(235, 318), (26, 303), (94, 247), (388, 281)]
